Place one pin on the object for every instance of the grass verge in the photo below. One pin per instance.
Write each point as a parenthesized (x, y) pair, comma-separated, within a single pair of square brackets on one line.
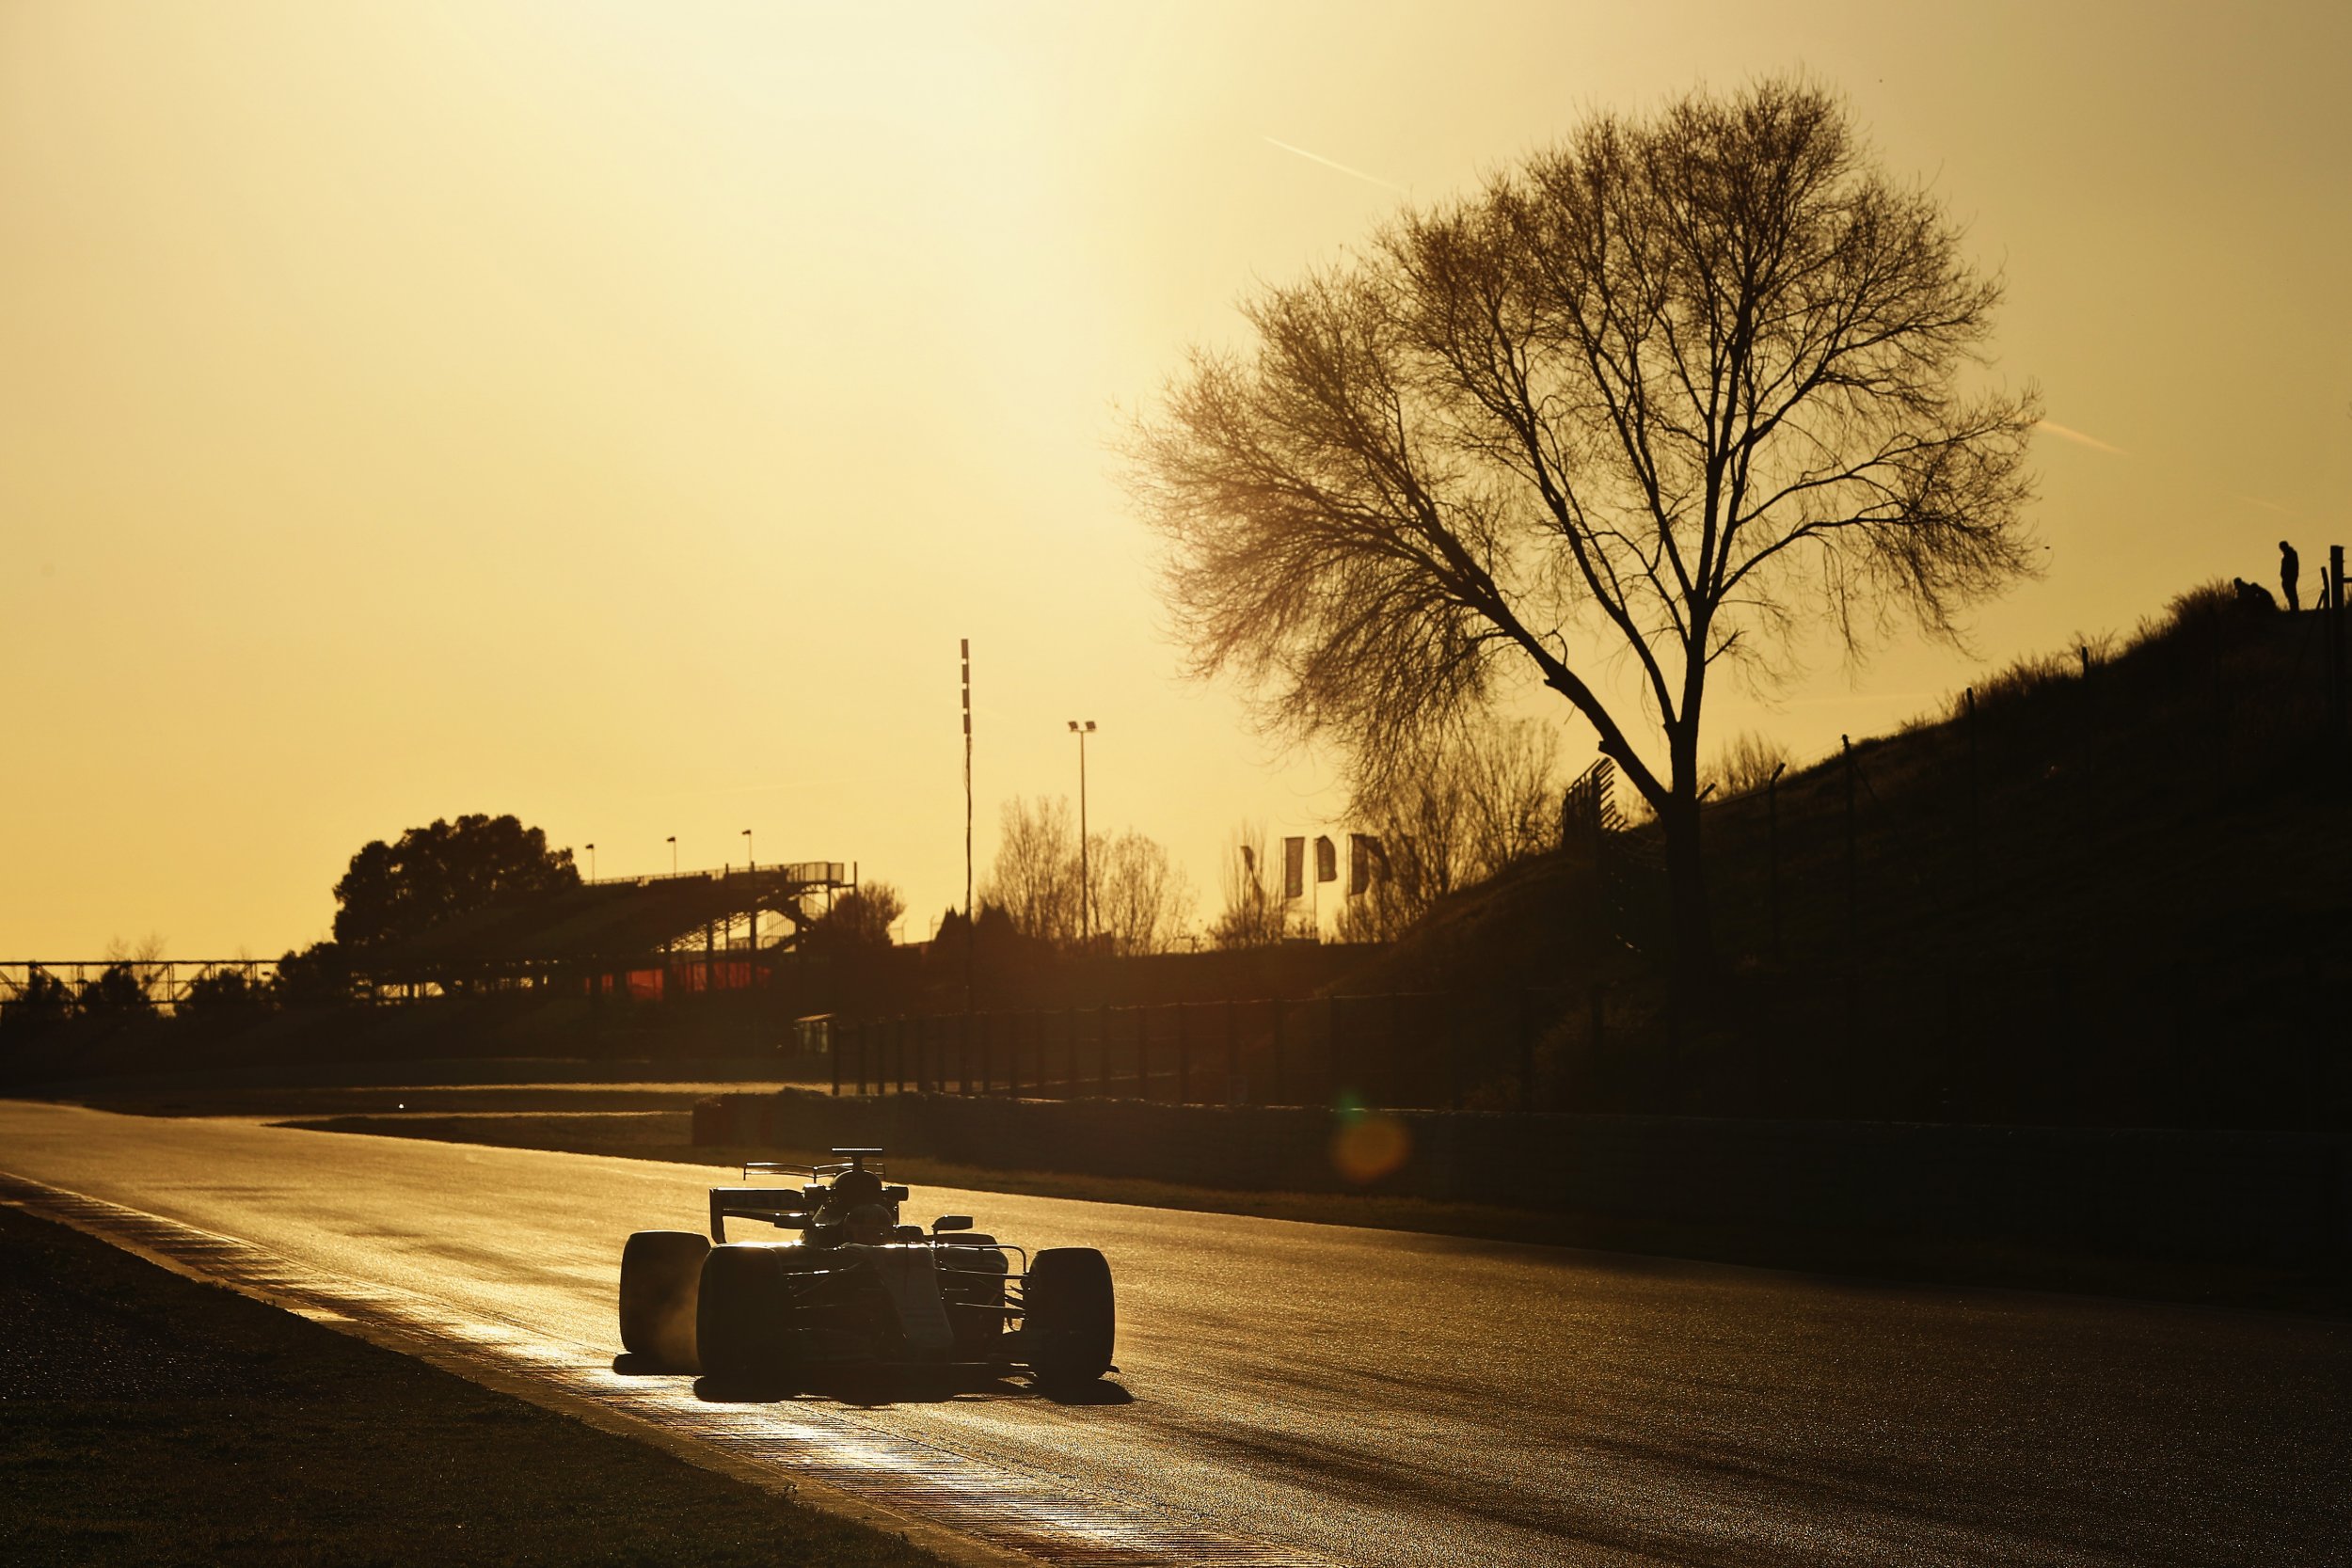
[(147, 1419), (1919, 1260)]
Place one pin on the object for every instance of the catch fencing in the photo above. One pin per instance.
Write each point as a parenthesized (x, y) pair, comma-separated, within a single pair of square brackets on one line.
[(1401, 1048)]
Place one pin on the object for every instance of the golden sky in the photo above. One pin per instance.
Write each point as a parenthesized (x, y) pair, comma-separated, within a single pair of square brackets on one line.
[(614, 413)]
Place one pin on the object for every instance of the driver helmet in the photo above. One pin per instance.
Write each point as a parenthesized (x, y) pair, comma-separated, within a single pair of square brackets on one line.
[(869, 1224), (854, 1187)]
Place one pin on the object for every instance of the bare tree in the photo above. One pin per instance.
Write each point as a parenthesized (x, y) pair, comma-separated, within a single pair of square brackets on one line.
[(1746, 763), (1665, 394), (1468, 802), (1142, 899), (1511, 785), (1034, 877), (1253, 913)]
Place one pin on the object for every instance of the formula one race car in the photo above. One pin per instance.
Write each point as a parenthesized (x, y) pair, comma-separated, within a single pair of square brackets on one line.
[(856, 1288)]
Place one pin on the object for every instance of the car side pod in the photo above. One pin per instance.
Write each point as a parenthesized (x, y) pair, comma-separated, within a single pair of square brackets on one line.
[(660, 1287), (1069, 1320)]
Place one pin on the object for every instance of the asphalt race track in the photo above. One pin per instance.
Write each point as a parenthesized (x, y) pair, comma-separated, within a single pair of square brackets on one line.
[(1295, 1393)]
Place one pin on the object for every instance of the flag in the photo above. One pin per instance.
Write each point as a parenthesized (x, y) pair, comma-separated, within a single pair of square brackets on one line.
[(1366, 863), (1293, 868), (1326, 859)]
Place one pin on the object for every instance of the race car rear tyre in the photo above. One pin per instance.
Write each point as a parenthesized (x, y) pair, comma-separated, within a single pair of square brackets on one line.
[(1069, 1320), (660, 1278), (742, 1323)]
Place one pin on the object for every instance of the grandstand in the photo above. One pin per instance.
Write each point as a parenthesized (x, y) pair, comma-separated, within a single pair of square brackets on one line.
[(646, 938)]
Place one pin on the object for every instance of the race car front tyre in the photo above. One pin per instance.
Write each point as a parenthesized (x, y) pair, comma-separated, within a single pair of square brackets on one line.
[(1069, 1320), (660, 1276), (742, 1323)]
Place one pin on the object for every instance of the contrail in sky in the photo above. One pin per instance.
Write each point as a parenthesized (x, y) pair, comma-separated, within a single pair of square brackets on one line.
[(2272, 506), (2079, 437), (1333, 163)]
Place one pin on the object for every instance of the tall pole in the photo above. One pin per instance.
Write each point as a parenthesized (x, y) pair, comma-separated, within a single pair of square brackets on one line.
[(1772, 854), (592, 862), (2335, 636), (674, 854), (1082, 728), (1846, 747), (749, 865), (1976, 828), (968, 930)]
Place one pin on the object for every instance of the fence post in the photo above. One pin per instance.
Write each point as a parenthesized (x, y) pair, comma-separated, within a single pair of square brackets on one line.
[(987, 1031), (1143, 1052), (1976, 830), (1234, 1095), (923, 1054), (1454, 1035), (1103, 1049), (1012, 1067), (1070, 1039), (1394, 1090), (861, 1064), (1846, 745), (2335, 638), (1184, 1053), (1527, 1050), (1332, 1049), (1274, 1064), (840, 1041), (963, 1052)]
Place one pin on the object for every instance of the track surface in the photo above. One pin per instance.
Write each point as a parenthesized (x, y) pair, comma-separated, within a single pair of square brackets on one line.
[(1306, 1393)]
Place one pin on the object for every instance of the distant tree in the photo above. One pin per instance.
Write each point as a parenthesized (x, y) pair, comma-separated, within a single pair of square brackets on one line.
[(1034, 877), (117, 991), (316, 975), (1474, 800), (223, 994), (41, 1004), (1141, 900), (1254, 910), (1672, 393), (859, 920), (431, 874), (1746, 764)]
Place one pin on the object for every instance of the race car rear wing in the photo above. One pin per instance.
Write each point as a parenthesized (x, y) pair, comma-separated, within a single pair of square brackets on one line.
[(785, 1208), (782, 1206)]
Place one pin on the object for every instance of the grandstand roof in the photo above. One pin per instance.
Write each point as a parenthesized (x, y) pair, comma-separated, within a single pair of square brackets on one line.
[(608, 922)]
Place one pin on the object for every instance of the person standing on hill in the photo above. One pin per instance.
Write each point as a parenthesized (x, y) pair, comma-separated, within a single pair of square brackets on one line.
[(2290, 574)]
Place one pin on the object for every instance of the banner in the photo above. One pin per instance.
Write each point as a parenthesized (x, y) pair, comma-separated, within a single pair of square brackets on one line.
[(1326, 859), (1293, 868), (1366, 863)]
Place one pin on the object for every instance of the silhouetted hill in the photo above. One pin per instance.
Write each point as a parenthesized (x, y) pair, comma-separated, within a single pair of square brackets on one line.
[(2117, 890)]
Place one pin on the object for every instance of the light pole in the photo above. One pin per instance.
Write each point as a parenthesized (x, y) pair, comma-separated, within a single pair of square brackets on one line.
[(747, 851), (592, 862), (1082, 728), (674, 854)]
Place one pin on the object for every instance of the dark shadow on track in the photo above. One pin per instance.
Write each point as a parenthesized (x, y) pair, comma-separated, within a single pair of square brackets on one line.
[(876, 1388)]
